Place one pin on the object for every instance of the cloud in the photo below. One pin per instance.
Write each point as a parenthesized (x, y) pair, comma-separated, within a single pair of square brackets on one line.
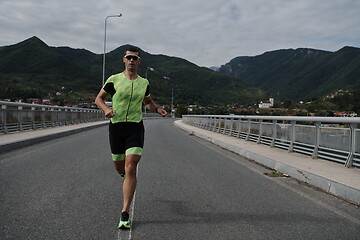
[(204, 32)]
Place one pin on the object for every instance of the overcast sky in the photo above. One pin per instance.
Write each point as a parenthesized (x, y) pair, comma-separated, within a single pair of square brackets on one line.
[(205, 32)]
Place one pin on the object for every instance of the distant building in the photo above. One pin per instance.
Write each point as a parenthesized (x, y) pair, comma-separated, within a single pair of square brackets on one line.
[(33, 100), (345, 114), (191, 108), (267, 104)]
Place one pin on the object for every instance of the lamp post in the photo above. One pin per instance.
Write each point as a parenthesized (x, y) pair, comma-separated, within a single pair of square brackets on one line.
[(146, 75), (172, 96), (172, 87), (103, 77), (172, 101), (147, 69)]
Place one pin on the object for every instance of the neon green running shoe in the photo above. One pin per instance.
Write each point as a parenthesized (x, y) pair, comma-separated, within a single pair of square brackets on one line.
[(125, 222)]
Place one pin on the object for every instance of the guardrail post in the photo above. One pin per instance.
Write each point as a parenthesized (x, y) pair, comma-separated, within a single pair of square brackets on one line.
[(219, 126), (213, 125), (43, 117), (232, 126), (249, 130), (274, 133), (52, 117), (349, 161), (224, 130), (317, 140), (64, 116), (260, 131), (20, 118), (292, 137), (225, 126), (224, 121), (239, 128), (4, 120), (217, 121), (33, 117)]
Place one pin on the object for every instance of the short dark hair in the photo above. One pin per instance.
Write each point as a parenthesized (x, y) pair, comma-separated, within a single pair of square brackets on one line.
[(132, 49)]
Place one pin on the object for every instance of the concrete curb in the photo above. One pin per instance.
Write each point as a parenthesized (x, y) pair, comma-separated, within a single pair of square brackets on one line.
[(327, 185), (46, 137)]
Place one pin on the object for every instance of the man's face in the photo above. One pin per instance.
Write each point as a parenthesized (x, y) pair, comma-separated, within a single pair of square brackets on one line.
[(131, 60)]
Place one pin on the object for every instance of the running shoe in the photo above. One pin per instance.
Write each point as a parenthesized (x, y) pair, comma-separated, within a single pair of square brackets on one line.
[(125, 222)]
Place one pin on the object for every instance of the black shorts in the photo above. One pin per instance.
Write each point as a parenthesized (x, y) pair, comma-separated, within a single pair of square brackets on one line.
[(126, 138)]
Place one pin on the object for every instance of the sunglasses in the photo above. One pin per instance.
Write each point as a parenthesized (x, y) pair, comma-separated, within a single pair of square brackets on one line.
[(131, 57)]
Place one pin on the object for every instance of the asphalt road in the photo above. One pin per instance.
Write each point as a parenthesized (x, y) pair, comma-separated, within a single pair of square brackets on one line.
[(188, 189)]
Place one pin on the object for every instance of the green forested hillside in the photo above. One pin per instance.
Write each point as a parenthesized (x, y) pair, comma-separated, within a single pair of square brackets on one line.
[(300, 74), (32, 69)]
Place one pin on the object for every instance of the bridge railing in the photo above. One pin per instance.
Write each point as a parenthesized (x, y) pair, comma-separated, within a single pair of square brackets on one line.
[(23, 116), (335, 139), (17, 117)]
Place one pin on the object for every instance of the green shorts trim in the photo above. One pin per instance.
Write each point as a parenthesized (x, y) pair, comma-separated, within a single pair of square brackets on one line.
[(118, 157), (133, 150)]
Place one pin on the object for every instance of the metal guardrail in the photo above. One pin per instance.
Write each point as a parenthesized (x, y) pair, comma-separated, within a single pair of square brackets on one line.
[(335, 139), (16, 117)]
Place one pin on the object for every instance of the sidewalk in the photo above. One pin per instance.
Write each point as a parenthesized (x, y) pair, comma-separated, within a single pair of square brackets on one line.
[(16, 140), (331, 177)]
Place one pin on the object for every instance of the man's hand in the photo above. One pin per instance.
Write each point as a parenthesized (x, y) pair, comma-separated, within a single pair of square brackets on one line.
[(109, 113), (162, 112)]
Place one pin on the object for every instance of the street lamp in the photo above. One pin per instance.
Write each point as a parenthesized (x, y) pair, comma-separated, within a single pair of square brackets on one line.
[(172, 95), (146, 75), (148, 68), (172, 87), (103, 77)]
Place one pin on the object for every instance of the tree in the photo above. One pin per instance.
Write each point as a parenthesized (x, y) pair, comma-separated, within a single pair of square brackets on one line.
[(287, 103), (181, 110)]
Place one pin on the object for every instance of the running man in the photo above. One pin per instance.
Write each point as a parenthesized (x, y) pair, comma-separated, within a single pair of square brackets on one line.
[(126, 130)]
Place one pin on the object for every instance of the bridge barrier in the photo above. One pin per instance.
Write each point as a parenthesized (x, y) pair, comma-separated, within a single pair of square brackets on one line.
[(335, 139), (23, 116), (18, 117)]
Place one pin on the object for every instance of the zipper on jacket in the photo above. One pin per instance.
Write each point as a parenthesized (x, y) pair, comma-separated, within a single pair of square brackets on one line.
[(132, 91)]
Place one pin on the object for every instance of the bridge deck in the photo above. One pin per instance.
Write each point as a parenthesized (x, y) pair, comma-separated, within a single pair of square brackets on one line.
[(67, 188), (331, 177)]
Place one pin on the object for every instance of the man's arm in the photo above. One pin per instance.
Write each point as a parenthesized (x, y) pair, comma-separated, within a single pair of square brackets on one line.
[(150, 104), (100, 102)]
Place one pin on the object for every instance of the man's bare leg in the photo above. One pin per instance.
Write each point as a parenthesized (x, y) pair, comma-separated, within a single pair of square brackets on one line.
[(120, 166), (129, 185)]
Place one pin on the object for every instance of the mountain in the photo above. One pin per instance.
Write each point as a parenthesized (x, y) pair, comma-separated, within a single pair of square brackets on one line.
[(214, 68), (34, 56), (33, 69), (299, 74)]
